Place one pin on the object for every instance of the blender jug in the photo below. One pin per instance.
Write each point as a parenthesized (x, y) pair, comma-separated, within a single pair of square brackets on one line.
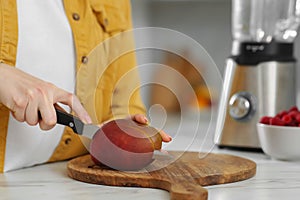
[(259, 77)]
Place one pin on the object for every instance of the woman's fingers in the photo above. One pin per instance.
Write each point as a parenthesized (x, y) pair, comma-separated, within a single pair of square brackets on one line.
[(48, 115), (31, 111), (143, 120), (19, 115), (18, 108), (140, 118), (73, 102), (27, 96), (165, 137)]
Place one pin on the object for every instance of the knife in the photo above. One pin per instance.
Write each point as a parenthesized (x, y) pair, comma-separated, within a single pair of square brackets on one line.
[(80, 128), (89, 130)]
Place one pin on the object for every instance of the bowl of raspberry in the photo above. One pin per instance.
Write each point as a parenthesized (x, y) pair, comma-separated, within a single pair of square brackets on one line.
[(279, 135)]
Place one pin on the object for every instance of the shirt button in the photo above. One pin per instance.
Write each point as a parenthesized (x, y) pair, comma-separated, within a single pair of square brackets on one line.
[(106, 22), (84, 59), (76, 16), (67, 141)]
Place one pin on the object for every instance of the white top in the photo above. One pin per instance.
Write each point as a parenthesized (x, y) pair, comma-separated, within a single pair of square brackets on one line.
[(45, 50)]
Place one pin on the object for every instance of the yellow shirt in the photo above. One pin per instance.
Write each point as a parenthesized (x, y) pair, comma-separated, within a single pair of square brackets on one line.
[(103, 86)]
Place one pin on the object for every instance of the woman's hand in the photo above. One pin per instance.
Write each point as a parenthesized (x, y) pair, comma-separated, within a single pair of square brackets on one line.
[(26, 95), (143, 120)]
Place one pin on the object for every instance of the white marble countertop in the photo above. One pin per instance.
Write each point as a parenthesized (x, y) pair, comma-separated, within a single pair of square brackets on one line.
[(274, 180)]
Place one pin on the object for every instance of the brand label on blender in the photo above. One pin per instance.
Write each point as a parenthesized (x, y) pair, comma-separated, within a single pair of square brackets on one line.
[(255, 48)]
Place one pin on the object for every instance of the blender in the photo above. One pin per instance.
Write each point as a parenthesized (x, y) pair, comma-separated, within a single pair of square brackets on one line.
[(259, 77)]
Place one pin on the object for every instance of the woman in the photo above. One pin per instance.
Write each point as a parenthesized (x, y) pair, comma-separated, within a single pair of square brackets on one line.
[(44, 55)]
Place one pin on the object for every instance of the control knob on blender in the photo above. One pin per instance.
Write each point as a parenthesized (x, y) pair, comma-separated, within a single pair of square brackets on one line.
[(240, 106)]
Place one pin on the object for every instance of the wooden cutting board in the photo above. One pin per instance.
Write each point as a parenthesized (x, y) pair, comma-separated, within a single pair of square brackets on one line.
[(183, 178)]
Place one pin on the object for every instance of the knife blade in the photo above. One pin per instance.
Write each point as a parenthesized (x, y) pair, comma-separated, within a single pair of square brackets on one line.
[(80, 128)]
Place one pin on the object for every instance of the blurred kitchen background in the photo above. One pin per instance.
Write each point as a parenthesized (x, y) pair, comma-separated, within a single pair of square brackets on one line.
[(206, 21)]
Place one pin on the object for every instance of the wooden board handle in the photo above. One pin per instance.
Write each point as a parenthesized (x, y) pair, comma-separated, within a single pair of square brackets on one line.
[(187, 191)]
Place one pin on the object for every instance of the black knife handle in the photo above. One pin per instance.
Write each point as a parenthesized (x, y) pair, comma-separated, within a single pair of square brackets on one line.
[(69, 120)]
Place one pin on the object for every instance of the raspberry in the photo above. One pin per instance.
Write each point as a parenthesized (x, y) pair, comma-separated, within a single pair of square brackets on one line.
[(293, 114), (293, 108), (265, 120), (282, 113), (293, 123), (287, 119), (277, 121), (298, 118)]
